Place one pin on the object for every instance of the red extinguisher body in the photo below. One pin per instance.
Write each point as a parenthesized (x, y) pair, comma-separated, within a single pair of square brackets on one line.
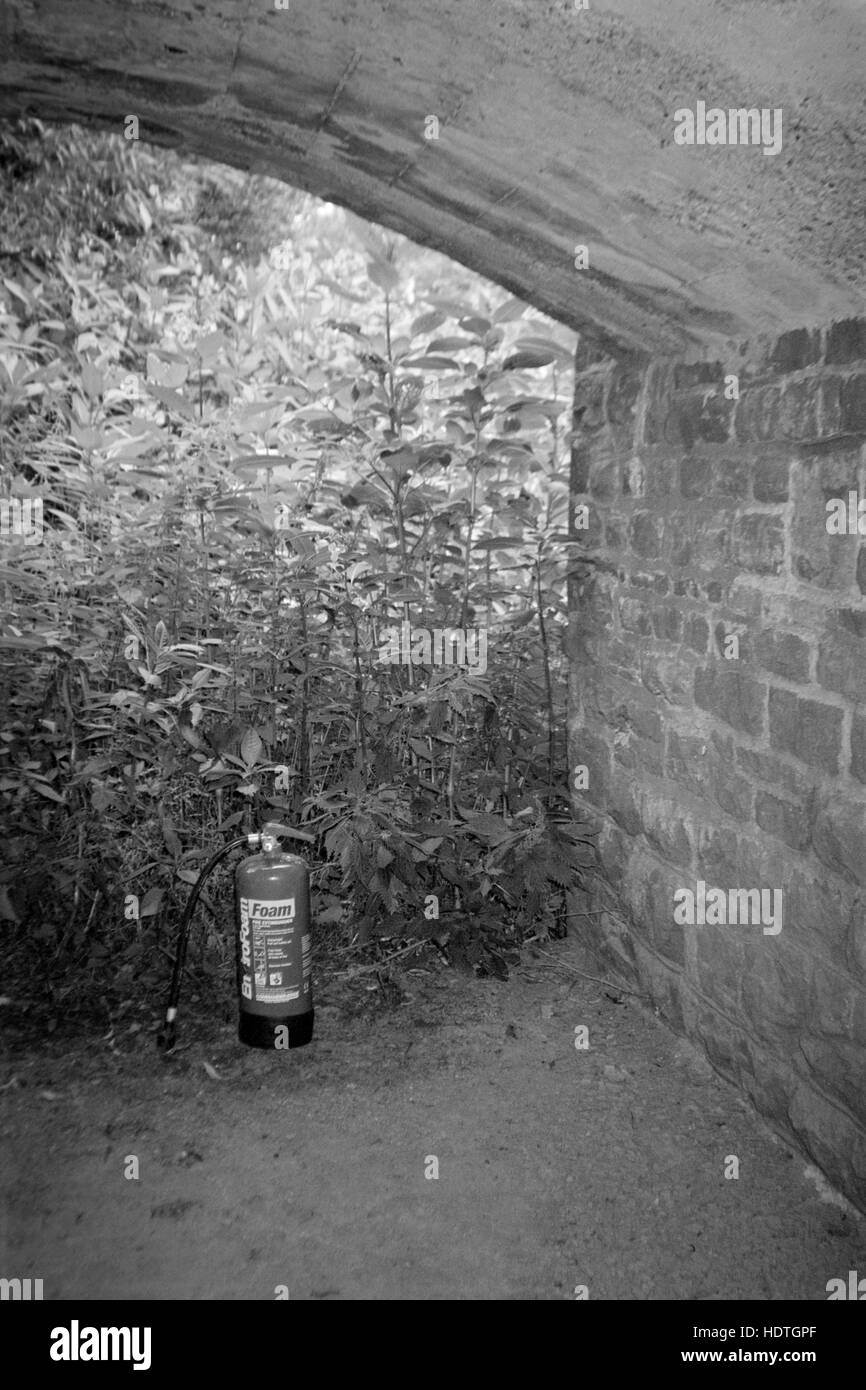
[(274, 951)]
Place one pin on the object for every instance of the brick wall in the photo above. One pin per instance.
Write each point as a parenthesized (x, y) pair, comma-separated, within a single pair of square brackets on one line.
[(741, 764)]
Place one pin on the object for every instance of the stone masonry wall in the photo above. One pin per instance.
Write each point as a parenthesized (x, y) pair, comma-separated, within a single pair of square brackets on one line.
[(738, 763)]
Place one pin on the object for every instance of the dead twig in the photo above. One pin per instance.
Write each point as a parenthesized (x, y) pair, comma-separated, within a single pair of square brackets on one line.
[(573, 970), (378, 965)]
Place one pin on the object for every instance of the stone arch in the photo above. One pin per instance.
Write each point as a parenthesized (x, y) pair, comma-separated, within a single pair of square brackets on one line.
[(720, 401)]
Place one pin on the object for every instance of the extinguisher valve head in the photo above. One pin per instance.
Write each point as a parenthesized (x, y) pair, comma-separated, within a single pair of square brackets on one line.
[(270, 837)]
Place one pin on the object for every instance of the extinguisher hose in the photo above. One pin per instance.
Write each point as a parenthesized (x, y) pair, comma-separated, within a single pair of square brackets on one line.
[(168, 1033)]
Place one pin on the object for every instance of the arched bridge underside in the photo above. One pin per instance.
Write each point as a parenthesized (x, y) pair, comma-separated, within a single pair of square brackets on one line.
[(557, 129)]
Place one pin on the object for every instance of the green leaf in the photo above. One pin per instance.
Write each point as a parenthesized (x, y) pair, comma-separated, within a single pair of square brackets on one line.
[(251, 748), (340, 289), (383, 274), (45, 790), (421, 749), (151, 902), (161, 373), (426, 323), (293, 833), (510, 310), (170, 836), (527, 359), (172, 400), (432, 362), (473, 323), (451, 344)]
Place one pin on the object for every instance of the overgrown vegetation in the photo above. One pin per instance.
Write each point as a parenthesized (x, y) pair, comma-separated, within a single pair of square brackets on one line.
[(264, 433)]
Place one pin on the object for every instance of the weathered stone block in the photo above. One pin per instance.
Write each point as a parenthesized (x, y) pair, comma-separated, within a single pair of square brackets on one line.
[(690, 374), (858, 747), (829, 1137), (711, 540), (759, 543), (589, 393), (622, 802), (639, 756), (718, 858), (784, 819), (839, 837), (587, 748), (706, 416), (808, 729), (697, 633), (757, 416), (846, 342), (784, 654), (855, 946), (726, 1047), (775, 993), (817, 915), (771, 767), (635, 616), (720, 962), (817, 558), (839, 1067), (623, 655), (841, 665), (747, 597), (771, 474), (732, 696), (644, 720), (639, 579), (605, 480), (665, 829), (769, 1081), (854, 404), (581, 459), (661, 469), (663, 985), (667, 623), (800, 414), (667, 677), (647, 529), (710, 475), (667, 937), (623, 395), (795, 350)]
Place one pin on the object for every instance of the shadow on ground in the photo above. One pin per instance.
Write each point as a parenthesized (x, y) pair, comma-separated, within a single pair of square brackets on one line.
[(557, 1167)]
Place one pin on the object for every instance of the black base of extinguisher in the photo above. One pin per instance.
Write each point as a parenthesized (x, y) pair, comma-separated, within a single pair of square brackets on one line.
[(276, 1034)]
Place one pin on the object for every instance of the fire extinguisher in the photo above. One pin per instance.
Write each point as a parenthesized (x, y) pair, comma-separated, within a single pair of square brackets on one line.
[(272, 944)]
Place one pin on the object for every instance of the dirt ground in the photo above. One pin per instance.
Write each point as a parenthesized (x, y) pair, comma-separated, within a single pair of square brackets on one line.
[(557, 1167)]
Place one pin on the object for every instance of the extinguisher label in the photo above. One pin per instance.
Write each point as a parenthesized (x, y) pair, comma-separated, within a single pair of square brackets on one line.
[(274, 965)]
